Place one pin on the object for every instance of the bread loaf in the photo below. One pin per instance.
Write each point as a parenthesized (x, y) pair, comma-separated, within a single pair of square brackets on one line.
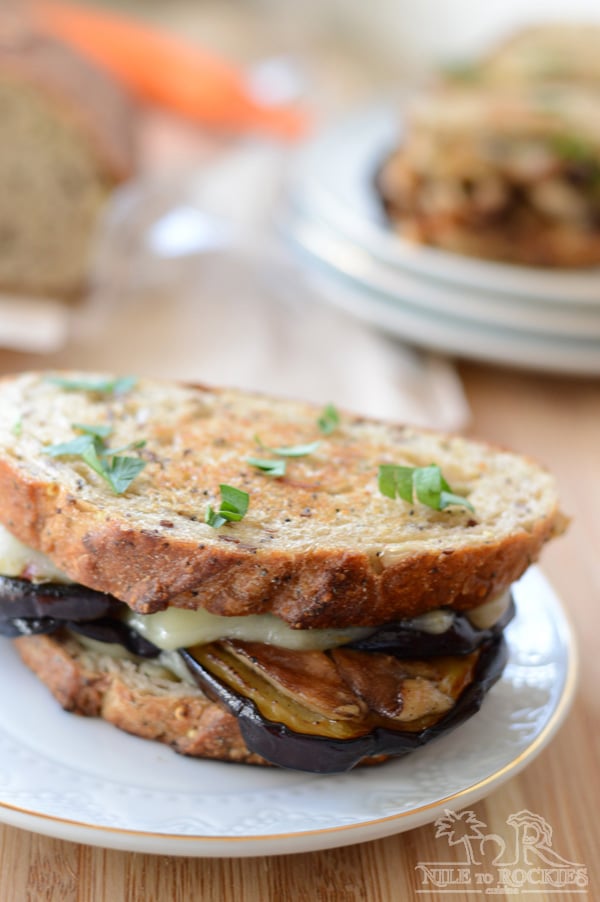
[(67, 142)]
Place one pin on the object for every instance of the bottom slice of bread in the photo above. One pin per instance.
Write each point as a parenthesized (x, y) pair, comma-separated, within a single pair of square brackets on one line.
[(142, 698)]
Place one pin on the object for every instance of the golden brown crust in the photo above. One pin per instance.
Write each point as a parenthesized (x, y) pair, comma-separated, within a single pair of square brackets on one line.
[(321, 547), (82, 90), (93, 686)]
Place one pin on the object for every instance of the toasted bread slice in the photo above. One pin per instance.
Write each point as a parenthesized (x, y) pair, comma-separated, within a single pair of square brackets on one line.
[(140, 697), (319, 546)]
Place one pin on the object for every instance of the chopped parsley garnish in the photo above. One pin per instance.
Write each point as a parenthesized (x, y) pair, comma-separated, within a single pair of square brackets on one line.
[(292, 450), (329, 420), (270, 467), (118, 471), (100, 386), (426, 483), (234, 504), (17, 428), (572, 148), (277, 468), (98, 431)]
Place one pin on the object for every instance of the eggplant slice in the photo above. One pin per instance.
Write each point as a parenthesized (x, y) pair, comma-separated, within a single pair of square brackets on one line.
[(27, 609), (215, 668), (406, 640), (321, 712)]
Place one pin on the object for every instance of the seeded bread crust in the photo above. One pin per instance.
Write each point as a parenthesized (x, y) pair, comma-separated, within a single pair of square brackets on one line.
[(139, 699), (319, 547)]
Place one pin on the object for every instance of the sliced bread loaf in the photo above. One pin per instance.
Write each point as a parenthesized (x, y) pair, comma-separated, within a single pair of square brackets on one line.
[(67, 141)]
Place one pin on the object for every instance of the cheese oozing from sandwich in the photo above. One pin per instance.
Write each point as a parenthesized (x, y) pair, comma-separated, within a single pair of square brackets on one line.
[(176, 628), (19, 561)]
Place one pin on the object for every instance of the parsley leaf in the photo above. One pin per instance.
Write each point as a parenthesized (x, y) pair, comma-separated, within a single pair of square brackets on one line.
[(98, 431), (100, 386), (132, 446), (118, 472), (295, 450), (426, 483), (277, 468), (396, 482), (329, 420), (234, 505), (270, 467), (76, 447)]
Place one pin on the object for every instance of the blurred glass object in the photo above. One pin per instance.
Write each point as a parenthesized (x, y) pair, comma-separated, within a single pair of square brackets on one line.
[(192, 282)]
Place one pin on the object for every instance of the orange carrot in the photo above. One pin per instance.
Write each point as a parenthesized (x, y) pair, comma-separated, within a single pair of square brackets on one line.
[(165, 71)]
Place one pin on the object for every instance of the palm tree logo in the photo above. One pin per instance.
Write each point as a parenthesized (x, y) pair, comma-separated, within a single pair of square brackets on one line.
[(461, 827)]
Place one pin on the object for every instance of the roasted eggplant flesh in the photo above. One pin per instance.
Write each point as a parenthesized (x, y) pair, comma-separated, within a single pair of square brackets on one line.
[(324, 730), (340, 694)]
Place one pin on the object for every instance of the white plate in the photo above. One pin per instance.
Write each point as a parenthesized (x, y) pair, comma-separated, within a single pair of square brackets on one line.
[(85, 781), (338, 273), (333, 182), (479, 306)]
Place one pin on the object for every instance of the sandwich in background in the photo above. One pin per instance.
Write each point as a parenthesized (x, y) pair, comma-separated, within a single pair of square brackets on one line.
[(501, 160)]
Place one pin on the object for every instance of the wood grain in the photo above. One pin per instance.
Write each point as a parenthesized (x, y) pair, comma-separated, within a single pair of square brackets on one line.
[(556, 420)]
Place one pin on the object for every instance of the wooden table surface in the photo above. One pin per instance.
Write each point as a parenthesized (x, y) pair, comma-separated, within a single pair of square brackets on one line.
[(556, 419)]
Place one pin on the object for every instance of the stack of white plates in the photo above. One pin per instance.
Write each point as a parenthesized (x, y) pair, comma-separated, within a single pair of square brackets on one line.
[(537, 318)]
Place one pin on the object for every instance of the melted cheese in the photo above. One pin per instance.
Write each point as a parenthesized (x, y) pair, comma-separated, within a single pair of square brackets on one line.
[(486, 615), (17, 559), (178, 628)]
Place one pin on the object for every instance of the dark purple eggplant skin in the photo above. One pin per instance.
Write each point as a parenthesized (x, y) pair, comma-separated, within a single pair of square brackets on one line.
[(314, 754), (104, 630), (21, 598), (403, 640), (28, 609), (115, 631)]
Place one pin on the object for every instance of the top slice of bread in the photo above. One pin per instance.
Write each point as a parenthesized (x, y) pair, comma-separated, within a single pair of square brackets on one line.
[(319, 547)]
